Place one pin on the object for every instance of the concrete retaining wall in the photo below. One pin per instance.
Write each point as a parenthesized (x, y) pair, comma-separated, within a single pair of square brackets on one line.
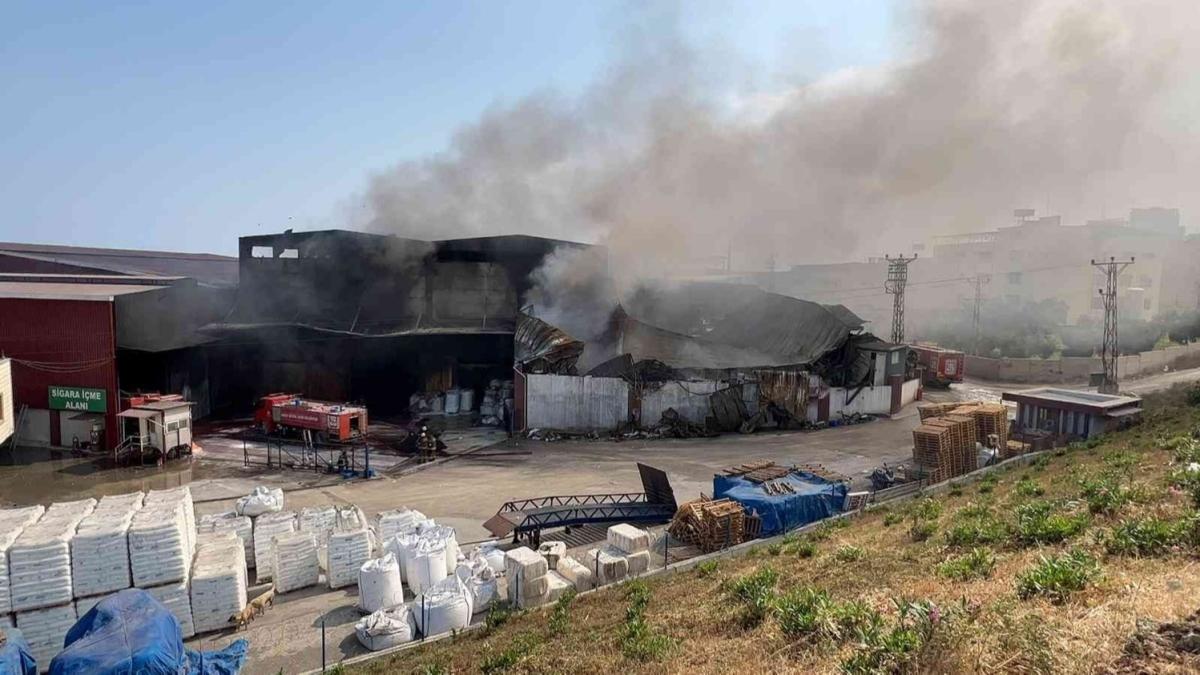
[(1077, 369)]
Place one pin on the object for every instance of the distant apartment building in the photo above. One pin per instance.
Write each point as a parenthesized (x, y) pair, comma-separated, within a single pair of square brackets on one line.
[(1035, 259)]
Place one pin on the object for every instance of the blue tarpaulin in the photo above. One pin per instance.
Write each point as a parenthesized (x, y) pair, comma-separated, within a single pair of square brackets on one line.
[(15, 657), (130, 632), (815, 498)]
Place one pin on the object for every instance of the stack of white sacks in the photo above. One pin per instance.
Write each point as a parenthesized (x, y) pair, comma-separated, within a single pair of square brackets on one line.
[(294, 561), (229, 521), (266, 528), (177, 598), (45, 630), (160, 545), (100, 548), (39, 561), (347, 552), (162, 540), (218, 580), (39, 567), (12, 523)]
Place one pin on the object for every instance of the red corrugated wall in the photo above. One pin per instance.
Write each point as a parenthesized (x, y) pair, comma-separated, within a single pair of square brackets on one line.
[(77, 336)]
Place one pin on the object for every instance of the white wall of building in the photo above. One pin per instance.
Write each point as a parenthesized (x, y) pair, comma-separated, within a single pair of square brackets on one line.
[(572, 402), (7, 418)]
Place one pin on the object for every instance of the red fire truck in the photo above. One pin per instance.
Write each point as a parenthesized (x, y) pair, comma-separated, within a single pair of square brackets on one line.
[(942, 366), (322, 421)]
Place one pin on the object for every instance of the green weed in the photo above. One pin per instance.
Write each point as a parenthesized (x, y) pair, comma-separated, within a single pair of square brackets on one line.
[(707, 568), (1028, 488), (1146, 536), (849, 553), (639, 640), (757, 593), (517, 650), (1058, 576), (978, 564), (1040, 522), (560, 616)]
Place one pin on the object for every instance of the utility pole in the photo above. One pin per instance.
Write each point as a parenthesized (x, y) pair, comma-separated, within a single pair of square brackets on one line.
[(897, 279), (980, 281), (1109, 350)]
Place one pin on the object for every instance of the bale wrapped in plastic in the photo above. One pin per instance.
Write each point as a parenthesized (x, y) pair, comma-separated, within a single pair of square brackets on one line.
[(379, 585), (639, 563), (261, 500), (577, 573), (443, 607), (557, 586), (386, 628), (553, 551), (608, 565), (525, 562), (628, 538), (524, 592)]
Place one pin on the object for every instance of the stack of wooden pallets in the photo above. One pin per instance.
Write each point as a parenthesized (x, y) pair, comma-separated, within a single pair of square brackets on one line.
[(1011, 449), (927, 410), (992, 418), (709, 525), (945, 446)]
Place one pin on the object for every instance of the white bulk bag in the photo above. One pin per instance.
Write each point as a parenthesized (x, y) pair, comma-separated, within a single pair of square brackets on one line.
[(492, 554), (261, 500), (446, 536), (629, 538), (442, 608), (386, 628), (379, 585), (425, 565), (401, 547), (480, 581), (639, 563), (528, 592)]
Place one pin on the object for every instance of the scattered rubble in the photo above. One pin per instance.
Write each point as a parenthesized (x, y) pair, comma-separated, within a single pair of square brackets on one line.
[(1154, 647)]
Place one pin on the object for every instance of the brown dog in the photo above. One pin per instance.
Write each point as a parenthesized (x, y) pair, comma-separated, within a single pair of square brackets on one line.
[(267, 599), (243, 618)]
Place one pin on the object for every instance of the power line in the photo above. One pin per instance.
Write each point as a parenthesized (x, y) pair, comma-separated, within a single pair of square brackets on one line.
[(980, 280)]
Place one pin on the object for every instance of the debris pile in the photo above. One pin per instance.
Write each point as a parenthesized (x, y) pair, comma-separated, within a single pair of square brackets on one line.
[(1161, 647)]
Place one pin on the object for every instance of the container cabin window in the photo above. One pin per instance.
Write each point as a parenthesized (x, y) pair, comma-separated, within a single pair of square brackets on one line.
[(262, 252), (895, 357), (172, 426)]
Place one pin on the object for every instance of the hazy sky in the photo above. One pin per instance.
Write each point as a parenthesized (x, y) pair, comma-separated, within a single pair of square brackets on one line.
[(183, 125)]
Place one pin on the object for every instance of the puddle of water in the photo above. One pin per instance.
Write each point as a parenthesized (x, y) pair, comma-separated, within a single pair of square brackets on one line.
[(41, 475)]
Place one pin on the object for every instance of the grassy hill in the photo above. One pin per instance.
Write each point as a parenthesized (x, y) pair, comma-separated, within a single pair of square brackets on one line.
[(1071, 565)]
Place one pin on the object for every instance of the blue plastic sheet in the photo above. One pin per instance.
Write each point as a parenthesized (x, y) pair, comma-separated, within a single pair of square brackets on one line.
[(15, 656), (128, 633), (815, 498), (227, 661)]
